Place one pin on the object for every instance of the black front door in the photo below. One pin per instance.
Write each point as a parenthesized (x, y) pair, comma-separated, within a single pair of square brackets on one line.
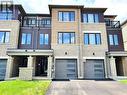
[(41, 66)]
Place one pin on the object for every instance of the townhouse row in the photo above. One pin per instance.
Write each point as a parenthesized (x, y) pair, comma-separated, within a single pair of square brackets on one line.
[(72, 42)]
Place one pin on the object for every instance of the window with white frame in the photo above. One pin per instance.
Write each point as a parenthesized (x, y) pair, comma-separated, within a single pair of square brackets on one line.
[(66, 38), (4, 36), (92, 38)]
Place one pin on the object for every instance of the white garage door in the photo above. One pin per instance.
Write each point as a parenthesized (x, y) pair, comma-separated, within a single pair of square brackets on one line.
[(94, 69), (65, 69), (2, 69)]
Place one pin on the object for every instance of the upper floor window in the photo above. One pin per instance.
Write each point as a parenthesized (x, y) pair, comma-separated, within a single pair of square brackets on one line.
[(90, 18), (6, 8), (26, 38), (44, 39), (66, 38), (66, 16), (113, 39), (45, 22), (92, 38), (31, 21), (4, 37), (5, 16), (6, 12)]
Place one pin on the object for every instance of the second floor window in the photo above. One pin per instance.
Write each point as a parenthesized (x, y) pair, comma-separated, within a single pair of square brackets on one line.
[(90, 18), (66, 16), (113, 39), (6, 12), (44, 39), (26, 38), (92, 38), (4, 37), (66, 38)]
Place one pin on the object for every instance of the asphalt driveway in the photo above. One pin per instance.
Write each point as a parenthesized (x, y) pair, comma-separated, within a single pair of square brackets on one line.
[(87, 87)]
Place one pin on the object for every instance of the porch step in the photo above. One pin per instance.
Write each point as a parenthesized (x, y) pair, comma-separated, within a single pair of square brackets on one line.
[(40, 78), (121, 78)]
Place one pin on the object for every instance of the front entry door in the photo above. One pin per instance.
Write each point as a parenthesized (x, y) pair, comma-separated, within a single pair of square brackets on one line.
[(41, 66)]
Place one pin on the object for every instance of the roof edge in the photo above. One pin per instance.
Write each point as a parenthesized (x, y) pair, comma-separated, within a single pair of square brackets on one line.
[(124, 22)]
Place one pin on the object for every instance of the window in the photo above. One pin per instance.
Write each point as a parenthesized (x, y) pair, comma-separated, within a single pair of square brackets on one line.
[(66, 16), (113, 39), (92, 38), (107, 21), (66, 38), (85, 18), (6, 12), (6, 8), (30, 21), (45, 23), (90, 18), (44, 39), (4, 37), (96, 18), (26, 38)]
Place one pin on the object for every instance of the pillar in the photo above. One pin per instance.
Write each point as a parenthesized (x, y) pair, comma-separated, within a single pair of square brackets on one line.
[(124, 63), (113, 67), (26, 73), (50, 67), (30, 62), (9, 68)]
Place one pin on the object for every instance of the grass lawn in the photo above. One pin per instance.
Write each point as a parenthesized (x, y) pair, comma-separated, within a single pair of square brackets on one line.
[(123, 81), (18, 87)]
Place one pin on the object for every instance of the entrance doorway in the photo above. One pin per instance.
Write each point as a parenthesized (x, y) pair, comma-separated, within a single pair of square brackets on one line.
[(41, 66), (19, 61), (119, 66)]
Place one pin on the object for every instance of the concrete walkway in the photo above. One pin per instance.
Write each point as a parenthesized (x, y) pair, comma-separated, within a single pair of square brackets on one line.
[(87, 87)]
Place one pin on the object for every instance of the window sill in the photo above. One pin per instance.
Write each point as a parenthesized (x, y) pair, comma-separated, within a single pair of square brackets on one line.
[(66, 21), (66, 44), (114, 45), (4, 43), (93, 45)]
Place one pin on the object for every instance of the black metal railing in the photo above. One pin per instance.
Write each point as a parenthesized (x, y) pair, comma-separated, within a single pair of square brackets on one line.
[(37, 23), (113, 24)]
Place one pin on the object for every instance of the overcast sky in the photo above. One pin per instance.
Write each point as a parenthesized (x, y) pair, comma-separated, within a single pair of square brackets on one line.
[(115, 7)]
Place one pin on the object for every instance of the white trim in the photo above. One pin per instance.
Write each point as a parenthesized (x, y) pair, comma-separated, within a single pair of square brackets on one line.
[(66, 57), (91, 31), (93, 57), (5, 29), (3, 57)]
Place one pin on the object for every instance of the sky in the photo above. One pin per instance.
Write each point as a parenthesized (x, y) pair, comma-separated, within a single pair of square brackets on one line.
[(115, 7)]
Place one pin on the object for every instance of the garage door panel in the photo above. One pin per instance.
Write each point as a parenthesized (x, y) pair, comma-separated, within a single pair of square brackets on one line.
[(2, 69), (65, 69), (94, 69), (59, 69)]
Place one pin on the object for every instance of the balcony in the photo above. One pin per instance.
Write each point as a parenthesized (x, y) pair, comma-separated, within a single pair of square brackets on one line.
[(6, 16), (44, 23), (113, 24)]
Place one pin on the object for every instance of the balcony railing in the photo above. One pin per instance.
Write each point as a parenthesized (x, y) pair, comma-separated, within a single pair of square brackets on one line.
[(6, 16), (113, 24), (36, 23)]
